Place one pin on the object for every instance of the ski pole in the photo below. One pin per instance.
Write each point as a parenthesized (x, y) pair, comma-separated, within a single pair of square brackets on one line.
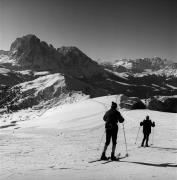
[(137, 134), (153, 136), (100, 141), (125, 140)]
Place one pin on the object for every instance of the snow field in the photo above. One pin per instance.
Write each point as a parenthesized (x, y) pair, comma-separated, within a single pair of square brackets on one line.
[(60, 144)]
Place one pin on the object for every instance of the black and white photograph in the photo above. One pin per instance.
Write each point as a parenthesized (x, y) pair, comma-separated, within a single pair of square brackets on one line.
[(88, 89)]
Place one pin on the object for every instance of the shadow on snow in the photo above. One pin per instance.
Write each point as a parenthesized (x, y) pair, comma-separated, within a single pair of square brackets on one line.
[(165, 148), (151, 164)]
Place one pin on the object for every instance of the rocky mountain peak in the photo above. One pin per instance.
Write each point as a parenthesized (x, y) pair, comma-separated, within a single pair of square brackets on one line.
[(69, 49), (30, 52), (74, 56), (24, 42)]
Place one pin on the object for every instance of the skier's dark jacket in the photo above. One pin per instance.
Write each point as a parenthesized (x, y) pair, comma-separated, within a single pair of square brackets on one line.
[(112, 117), (147, 124)]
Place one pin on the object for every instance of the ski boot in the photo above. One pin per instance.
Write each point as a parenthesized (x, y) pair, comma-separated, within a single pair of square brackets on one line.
[(114, 158), (103, 157)]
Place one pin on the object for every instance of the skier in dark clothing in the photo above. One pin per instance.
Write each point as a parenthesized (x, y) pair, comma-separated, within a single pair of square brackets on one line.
[(147, 124), (111, 118)]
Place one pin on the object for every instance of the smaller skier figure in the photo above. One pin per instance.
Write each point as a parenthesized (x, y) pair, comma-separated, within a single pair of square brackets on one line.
[(111, 118), (147, 124)]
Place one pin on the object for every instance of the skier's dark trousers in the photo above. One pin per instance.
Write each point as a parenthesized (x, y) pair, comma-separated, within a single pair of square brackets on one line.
[(147, 124), (111, 118)]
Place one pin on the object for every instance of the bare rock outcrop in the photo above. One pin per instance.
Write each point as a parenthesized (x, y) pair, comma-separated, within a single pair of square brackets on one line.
[(131, 103), (163, 103)]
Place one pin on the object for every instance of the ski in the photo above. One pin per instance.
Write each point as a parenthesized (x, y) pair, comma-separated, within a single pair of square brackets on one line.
[(118, 158), (145, 146), (97, 160), (109, 159)]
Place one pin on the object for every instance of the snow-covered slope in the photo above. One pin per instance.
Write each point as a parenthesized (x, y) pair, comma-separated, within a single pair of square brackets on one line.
[(61, 142), (4, 59), (41, 83), (45, 88)]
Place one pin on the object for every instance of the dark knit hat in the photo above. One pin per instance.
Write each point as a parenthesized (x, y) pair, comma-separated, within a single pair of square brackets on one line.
[(114, 105), (147, 117)]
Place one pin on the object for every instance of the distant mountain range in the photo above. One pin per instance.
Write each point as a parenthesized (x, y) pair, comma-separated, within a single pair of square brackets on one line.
[(154, 65), (30, 59)]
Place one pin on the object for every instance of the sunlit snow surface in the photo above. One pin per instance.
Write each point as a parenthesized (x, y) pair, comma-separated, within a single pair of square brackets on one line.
[(60, 142), (5, 59)]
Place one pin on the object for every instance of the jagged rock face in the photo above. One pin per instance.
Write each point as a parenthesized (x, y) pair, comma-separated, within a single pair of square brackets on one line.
[(31, 53), (78, 63)]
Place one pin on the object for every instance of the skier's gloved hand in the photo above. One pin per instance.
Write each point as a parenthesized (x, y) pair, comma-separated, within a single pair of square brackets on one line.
[(153, 124)]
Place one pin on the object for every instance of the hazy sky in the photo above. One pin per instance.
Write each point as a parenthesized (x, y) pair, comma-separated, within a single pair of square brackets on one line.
[(106, 29)]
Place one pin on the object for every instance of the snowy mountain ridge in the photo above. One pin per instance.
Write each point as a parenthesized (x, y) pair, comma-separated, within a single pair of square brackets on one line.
[(142, 63), (154, 65)]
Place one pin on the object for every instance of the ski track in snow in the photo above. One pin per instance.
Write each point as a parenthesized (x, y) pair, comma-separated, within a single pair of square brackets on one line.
[(51, 153)]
